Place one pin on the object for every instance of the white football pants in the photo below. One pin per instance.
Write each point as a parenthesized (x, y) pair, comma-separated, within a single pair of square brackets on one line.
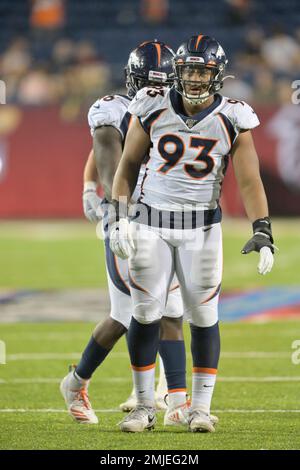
[(194, 255)]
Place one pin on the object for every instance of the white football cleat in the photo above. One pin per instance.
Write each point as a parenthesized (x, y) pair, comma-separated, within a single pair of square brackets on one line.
[(140, 418), (131, 402), (199, 421), (178, 416), (214, 419), (77, 400)]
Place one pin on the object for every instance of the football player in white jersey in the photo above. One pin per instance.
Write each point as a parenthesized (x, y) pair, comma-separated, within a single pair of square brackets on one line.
[(150, 63), (191, 131)]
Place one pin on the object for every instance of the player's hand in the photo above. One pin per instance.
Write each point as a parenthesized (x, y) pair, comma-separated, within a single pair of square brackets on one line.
[(121, 240), (262, 242), (91, 202)]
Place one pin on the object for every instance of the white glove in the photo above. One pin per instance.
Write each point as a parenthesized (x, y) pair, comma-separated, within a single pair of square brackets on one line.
[(266, 260), (91, 202), (120, 239)]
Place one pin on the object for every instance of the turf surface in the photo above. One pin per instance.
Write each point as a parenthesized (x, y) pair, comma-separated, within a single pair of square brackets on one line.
[(43, 255), (256, 398)]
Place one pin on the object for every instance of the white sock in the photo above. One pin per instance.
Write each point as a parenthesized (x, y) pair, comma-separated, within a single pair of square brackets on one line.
[(76, 382), (144, 383), (202, 390), (176, 398)]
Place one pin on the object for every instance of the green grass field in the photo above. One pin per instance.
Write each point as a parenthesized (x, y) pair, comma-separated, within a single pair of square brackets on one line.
[(258, 393), (44, 255), (255, 399)]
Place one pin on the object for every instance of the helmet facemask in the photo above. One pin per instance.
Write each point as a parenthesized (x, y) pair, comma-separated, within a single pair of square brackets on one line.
[(197, 82), (135, 82), (131, 83)]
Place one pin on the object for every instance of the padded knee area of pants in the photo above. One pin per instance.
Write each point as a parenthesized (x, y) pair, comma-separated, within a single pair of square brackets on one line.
[(202, 315), (124, 320), (147, 312), (174, 307)]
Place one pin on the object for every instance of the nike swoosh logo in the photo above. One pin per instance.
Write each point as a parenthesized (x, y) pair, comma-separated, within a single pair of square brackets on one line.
[(207, 386), (97, 107), (207, 229)]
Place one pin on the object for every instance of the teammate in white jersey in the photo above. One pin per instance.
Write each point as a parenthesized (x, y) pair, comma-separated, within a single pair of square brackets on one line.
[(109, 121), (191, 131)]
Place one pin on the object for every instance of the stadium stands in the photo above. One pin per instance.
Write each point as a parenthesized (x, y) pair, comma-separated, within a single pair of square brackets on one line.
[(115, 27)]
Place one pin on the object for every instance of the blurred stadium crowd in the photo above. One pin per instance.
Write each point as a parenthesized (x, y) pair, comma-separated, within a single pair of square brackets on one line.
[(68, 52)]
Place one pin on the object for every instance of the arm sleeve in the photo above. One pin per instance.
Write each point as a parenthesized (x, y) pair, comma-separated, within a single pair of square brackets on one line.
[(107, 112), (147, 105), (244, 117)]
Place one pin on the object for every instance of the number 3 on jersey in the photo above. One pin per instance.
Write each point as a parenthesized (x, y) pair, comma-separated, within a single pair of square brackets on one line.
[(172, 157)]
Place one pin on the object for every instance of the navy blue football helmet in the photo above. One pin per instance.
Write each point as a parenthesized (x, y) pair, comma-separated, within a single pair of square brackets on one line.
[(204, 56), (149, 64)]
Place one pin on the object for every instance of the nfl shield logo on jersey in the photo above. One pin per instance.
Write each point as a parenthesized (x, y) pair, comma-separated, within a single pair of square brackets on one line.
[(190, 123)]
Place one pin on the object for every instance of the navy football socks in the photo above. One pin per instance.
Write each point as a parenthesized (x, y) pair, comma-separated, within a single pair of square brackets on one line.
[(205, 346), (172, 353), (92, 357)]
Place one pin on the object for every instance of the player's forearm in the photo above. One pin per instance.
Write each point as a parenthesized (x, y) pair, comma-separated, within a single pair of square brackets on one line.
[(254, 199), (107, 177), (125, 180), (136, 146), (107, 151), (90, 170), (246, 168)]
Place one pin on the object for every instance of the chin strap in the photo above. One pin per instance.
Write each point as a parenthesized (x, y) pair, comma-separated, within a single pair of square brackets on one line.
[(196, 100), (192, 102)]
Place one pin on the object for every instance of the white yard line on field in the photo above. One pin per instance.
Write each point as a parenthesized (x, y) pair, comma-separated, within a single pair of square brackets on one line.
[(108, 410), (76, 355), (256, 355), (255, 411), (69, 335), (42, 356), (53, 380), (45, 380), (50, 410)]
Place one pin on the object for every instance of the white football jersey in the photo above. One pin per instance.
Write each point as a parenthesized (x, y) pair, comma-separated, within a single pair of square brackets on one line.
[(189, 155), (112, 111)]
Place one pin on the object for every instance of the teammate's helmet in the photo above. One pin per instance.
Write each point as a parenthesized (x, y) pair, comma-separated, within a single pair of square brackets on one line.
[(204, 56), (149, 64)]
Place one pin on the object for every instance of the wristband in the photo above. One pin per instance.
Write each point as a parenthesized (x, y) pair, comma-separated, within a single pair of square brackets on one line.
[(89, 186), (120, 209), (263, 226)]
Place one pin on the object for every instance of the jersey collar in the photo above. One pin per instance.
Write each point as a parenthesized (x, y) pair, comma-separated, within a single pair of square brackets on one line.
[(124, 96), (190, 121)]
